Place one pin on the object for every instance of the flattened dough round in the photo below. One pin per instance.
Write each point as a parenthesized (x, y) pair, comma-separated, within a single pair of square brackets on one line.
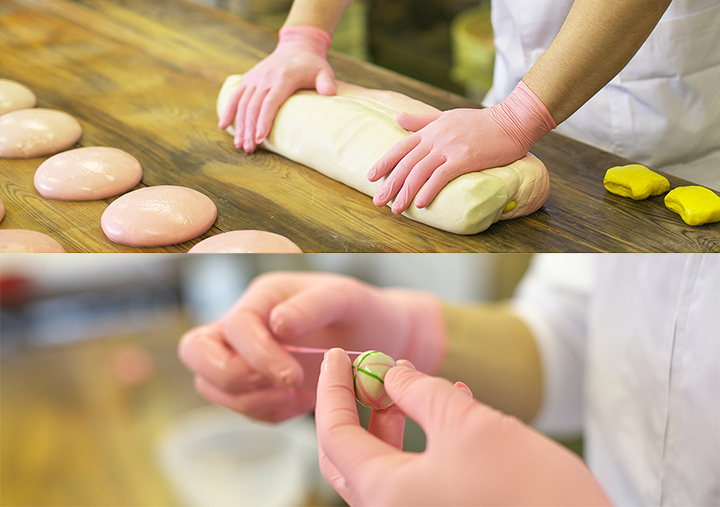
[(87, 174), (249, 241), (14, 96), (24, 241), (2, 211), (28, 133), (158, 216)]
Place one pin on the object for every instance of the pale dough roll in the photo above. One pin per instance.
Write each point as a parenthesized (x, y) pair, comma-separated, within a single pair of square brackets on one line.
[(248, 241), (28, 133), (14, 96), (342, 136), (24, 241)]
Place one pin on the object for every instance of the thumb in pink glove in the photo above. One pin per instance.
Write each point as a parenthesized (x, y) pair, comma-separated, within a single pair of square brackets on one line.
[(448, 144), (298, 62), (474, 454)]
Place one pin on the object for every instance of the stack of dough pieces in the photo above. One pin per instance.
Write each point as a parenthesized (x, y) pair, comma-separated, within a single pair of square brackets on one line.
[(342, 136)]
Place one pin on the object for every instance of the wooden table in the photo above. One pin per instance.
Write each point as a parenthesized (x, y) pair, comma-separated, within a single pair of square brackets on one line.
[(74, 433), (143, 77), (81, 427)]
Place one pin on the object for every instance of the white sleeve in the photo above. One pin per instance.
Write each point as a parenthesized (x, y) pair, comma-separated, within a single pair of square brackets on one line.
[(552, 299)]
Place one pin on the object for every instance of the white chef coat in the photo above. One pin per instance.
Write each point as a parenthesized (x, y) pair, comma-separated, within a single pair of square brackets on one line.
[(630, 348), (662, 109)]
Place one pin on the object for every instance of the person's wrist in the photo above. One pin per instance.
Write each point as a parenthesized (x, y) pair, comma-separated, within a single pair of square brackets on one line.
[(425, 339), (318, 37), (524, 116)]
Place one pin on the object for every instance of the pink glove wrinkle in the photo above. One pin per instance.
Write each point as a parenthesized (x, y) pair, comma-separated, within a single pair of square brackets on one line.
[(474, 455), (446, 145), (298, 62)]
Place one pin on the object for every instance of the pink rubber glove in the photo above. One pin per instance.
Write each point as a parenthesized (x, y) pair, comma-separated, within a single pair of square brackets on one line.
[(239, 362), (474, 454), (298, 62), (448, 144)]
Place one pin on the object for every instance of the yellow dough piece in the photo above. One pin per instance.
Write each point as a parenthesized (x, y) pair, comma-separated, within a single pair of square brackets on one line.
[(695, 205), (635, 181)]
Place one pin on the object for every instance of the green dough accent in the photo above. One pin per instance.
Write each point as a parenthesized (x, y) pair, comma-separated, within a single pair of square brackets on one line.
[(371, 374)]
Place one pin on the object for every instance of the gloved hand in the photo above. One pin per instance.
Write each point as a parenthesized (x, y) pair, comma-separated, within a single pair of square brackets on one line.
[(474, 454), (298, 62), (448, 144), (240, 363)]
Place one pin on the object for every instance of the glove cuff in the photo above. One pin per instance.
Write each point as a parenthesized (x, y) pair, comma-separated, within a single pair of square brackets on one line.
[(535, 105), (312, 34), (426, 343), (524, 117)]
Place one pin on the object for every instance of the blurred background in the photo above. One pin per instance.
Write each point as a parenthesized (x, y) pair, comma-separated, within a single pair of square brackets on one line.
[(96, 409), (446, 43)]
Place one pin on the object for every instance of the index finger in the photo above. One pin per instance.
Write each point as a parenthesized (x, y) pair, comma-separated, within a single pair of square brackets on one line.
[(246, 329), (347, 445)]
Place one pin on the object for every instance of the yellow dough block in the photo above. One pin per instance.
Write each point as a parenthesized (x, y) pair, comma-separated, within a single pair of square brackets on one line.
[(635, 181), (695, 205)]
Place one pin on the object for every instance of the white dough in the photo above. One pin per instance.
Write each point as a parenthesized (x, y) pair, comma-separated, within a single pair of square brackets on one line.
[(342, 136)]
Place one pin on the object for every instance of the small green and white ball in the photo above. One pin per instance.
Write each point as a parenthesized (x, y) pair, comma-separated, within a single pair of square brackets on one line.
[(369, 369)]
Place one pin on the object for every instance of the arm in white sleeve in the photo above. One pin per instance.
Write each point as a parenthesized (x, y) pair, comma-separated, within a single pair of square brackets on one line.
[(552, 301)]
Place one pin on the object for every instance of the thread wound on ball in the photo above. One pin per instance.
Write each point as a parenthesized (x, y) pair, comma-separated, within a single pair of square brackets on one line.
[(368, 374)]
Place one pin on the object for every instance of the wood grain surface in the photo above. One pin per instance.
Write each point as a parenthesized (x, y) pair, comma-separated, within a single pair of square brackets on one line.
[(143, 77), (74, 433)]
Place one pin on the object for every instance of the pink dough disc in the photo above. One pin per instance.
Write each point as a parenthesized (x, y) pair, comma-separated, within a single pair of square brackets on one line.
[(87, 174), (158, 216), (23, 241), (28, 133), (14, 96), (249, 241)]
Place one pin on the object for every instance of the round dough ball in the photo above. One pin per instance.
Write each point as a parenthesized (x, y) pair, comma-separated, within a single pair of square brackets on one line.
[(158, 216), (14, 96), (2, 211), (28, 133), (86, 174), (369, 369), (246, 242), (23, 241)]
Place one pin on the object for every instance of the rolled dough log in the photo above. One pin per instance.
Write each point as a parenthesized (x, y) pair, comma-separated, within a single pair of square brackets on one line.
[(28, 133), (249, 241), (24, 241), (344, 135), (87, 174), (14, 96), (158, 216)]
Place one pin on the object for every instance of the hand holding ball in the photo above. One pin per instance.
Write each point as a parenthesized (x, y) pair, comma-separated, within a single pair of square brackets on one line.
[(369, 369)]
